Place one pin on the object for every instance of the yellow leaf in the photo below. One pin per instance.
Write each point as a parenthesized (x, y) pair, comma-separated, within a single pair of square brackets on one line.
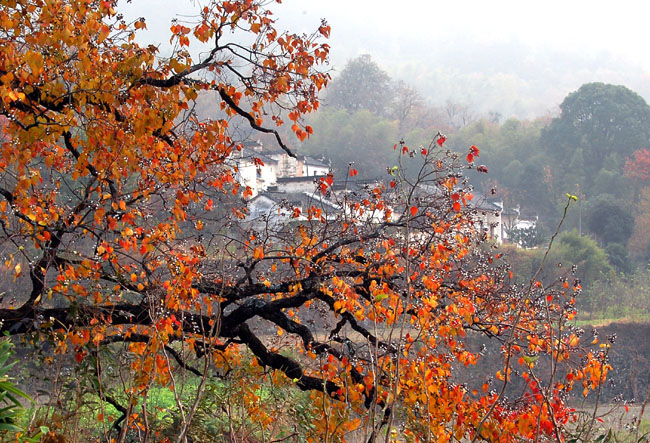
[(258, 253), (35, 61), (572, 197)]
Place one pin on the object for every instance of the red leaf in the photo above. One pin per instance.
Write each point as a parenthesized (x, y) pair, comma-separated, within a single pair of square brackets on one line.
[(457, 207), (329, 179), (405, 149), (325, 30), (392, 183), (414, 210), (455, 196), (353, 172), (441, 140), (470, 158)]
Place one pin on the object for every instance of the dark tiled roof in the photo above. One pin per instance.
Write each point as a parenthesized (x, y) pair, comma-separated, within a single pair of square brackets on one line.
[(314, 162), (249, 154), (305, 178), (298, 199)]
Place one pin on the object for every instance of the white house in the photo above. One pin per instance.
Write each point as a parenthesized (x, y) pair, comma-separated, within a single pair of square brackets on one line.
[(312, 167), (261, 169), (488, 217), (277, 208)]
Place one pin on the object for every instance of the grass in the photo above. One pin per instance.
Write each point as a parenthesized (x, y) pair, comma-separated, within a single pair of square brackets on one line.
[(584, 319), (616, 423)]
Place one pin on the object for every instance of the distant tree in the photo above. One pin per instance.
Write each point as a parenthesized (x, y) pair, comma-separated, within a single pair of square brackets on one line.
[(639, 243), (575, 250), (513, 156), (408, 105), (526, 237), (609, 181), (599, 118), (495, 116), (458, 115), (536, 186), (638, 166), (350, 137), (618, 257), (361, 85), (610, 222)]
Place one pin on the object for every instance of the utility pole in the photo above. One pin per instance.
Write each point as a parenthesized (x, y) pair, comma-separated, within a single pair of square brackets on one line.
[(579, 210)]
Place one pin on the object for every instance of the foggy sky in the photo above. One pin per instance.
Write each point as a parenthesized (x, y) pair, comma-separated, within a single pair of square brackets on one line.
[(529, 54)]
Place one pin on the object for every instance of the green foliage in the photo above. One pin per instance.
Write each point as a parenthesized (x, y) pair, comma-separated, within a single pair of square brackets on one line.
[(609, 221), (361, 85), (598, 119), (572, 255), (10, 407), (618, 257), (359, 137), (524, 262), (252, 405), (572, 249), (610, 182), (516, 163), (619, 297)]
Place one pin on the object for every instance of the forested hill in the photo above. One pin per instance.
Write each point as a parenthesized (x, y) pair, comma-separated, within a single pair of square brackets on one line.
[(596, 148)]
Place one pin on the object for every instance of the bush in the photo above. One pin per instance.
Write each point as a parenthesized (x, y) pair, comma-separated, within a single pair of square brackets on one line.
[(11, 409)]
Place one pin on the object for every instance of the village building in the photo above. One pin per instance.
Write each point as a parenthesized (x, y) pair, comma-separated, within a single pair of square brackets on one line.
[(284, 188), (261, 168)]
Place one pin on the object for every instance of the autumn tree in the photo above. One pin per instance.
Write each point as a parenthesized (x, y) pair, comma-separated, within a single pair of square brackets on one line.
[(638, 165), (122, 247)]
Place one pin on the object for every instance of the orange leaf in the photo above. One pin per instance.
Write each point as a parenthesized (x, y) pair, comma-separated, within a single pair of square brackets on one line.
[(258, 253)]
